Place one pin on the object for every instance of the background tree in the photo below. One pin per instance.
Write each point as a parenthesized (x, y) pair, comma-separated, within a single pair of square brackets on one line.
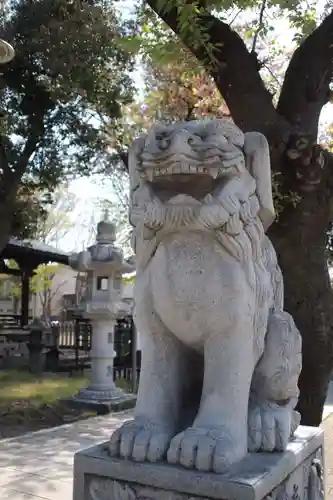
[(30, 208), (43, 286), (57, 219), (68, 72), (48, 226), (280, 93)]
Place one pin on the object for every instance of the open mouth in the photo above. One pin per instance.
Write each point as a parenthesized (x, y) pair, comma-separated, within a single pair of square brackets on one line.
[(211, 164), (176, 174), (197, 185), (185, 169)]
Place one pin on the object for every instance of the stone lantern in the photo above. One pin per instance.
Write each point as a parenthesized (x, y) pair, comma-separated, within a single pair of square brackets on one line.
[(102, 304)]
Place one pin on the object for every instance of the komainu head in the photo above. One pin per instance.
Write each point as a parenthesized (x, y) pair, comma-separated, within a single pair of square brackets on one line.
[(197, 159)]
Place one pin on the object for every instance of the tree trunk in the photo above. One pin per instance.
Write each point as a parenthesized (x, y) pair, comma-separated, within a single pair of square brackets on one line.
[(299, 238), (9, 185), (6, 211)]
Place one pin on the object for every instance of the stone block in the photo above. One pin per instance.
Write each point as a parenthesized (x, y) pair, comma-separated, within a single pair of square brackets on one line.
[(295, 474)]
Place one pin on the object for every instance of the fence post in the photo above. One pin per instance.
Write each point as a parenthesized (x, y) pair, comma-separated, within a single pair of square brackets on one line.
[(77, 330), (35, 347)]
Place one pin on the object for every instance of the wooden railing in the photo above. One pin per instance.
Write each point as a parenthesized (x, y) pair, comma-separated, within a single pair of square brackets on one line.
[(69, 335)]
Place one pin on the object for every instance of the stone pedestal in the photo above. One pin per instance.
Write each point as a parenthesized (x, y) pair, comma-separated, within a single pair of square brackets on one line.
[(296, 474)]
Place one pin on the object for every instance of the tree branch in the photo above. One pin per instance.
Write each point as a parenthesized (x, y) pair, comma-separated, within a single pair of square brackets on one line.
[(234, 70), (4, 150), (328, 156), (260, 24), (30, 147), (306, 85)]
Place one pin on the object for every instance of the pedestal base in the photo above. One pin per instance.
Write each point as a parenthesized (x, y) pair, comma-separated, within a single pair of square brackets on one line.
[(103, 401), (296, 474)]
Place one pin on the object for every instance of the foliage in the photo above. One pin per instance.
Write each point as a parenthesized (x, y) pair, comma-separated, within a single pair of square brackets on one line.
[(30, 208), (43, 285), (173, 93), (280, 198), (5, 287), (68, 79)]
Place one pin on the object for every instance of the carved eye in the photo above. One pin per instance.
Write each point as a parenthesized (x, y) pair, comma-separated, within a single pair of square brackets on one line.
[(164, 143), (163, 140), (194, 138)]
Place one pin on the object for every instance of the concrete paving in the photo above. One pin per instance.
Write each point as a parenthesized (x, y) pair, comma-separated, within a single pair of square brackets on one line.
[(38, 466)]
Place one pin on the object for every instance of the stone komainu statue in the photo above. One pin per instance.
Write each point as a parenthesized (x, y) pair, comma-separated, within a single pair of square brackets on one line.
[(221, 357)]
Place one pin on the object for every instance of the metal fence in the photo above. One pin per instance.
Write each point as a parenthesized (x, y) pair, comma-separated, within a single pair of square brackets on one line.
[(66, 346)]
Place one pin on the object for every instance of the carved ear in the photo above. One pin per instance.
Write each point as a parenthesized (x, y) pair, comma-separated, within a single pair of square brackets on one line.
[(134, 161), (258, 163)]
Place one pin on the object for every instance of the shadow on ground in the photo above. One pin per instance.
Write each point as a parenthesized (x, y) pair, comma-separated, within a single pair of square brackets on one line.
[(40, 464)]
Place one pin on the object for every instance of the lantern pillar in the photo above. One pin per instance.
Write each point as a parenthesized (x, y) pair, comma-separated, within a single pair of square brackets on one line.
[(102, 304)]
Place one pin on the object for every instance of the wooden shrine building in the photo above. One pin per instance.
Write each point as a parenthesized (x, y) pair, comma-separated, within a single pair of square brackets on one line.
[(28, 254)]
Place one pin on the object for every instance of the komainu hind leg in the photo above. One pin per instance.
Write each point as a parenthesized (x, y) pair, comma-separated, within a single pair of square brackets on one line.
[(272, 419)]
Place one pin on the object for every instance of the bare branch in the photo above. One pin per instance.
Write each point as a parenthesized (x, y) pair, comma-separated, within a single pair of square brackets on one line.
[(260, 25), (273, 75), (306, 85), (233, 19)]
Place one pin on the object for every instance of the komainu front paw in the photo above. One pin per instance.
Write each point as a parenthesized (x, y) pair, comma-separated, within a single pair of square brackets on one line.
[(140, 440), (205, 450), (270, 426)]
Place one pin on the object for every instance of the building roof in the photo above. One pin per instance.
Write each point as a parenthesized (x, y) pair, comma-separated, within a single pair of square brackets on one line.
[(33, 252)]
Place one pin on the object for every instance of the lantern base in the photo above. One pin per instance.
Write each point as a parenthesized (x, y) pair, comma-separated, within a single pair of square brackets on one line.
[(102, 401)]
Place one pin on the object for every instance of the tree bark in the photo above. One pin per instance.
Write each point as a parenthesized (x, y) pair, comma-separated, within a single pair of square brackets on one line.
[(300, 242)]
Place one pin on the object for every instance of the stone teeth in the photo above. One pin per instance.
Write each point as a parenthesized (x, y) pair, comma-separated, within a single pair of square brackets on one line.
[(150, 174), (208, 199), (214, 172)]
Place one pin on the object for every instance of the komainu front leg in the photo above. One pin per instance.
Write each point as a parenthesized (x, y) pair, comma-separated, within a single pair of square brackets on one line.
[(157, 411), (218, 437), (272, 419)]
